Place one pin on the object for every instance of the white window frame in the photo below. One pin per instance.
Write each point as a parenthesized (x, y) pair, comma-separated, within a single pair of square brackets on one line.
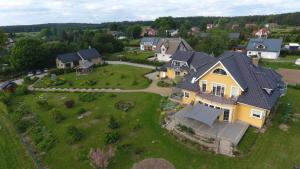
[(255, 111), (237, 91), (203, 82), (186, 94), (220, 84), (177, 73)]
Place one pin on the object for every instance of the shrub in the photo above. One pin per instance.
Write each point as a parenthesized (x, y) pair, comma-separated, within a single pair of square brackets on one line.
[(122, 76), (43, 104), (113, 124), (112, 137), (88, 97), (57, 116), (124, 105), (69, 104), (21, 90), (74, 135), (81, 111), (186, 129), (135, 82), (112, 95), (164, 84), (91, 82)]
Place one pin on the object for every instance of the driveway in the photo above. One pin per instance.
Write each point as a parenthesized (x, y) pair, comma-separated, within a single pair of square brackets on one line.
[(291, 76)]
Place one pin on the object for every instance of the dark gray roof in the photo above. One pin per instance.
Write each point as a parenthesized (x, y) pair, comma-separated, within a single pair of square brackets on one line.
[(253, 79), (7, 84), (272, 45), (150, 40), (172, 45), (69, 57), (202, 113), (89, 54), (194, 59)]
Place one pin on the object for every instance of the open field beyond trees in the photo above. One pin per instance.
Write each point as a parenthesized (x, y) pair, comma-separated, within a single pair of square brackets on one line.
[(109, 76), (141, 136)]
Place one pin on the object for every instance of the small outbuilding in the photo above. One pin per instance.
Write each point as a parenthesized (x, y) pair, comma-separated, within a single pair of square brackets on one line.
[(8, 86)]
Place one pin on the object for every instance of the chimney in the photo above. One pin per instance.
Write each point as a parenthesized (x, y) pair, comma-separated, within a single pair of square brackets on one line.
[(255, 61)]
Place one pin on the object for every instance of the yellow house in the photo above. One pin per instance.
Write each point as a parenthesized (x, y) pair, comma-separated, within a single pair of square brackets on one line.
[(233, 84), (183, 63)]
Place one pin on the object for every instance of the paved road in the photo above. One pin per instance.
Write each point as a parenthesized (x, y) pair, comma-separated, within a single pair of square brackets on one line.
[(130, 64)]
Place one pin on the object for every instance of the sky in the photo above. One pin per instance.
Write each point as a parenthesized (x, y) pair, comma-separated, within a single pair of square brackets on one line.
[(26, 12)]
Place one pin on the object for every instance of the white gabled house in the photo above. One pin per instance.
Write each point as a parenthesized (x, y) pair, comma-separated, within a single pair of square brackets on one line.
[(264, 48)]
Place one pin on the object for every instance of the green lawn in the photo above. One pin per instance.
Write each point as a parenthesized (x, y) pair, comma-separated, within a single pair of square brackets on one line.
[(132, 55), (12, 154), (275, 149), (277, 65), (110, 76)]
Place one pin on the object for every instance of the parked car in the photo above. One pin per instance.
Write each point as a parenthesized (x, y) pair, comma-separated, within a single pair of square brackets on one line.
[(46, 70), (297, 62), (30, 74), (38, 72)]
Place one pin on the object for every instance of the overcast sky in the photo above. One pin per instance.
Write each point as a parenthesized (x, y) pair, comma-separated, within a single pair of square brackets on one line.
[(19, 12)]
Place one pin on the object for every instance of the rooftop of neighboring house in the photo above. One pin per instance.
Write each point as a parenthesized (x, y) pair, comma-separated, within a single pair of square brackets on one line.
[(152, 40), (172, 45), (262, 44), (193, 59), (86, 54), (261, 86), (7, 84)]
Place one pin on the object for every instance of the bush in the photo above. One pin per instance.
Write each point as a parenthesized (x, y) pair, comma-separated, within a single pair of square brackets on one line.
[(164, 84), (21, 90), (88, 97), (57, 116), (91, 82), (112, 137), (56, 72), (74, 135), (43, 104), (186, 129), (124, 105), (81, 111), (113, 124), (135, 82), (69, 104)]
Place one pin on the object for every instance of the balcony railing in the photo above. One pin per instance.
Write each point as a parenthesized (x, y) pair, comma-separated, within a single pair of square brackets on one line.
[(218, 99)]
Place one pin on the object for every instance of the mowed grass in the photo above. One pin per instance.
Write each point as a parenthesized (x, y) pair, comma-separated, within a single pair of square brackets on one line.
[(109, 76), (275, 149), (133, 55), (277, 65), (12, 153)]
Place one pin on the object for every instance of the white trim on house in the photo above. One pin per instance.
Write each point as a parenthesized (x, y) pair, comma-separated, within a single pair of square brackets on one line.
[(219, 62), (203, 81), (186, 94), (220, 84)]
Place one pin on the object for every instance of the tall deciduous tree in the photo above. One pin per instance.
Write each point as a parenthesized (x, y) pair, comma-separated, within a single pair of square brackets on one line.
[(106, 43), (134, 31), (28, 54), (3, 39)]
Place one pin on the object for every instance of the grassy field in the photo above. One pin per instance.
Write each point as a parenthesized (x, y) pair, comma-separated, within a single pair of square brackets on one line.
[(110, 76), (277, 65), (133, 55), (275, 149), (12, 154)]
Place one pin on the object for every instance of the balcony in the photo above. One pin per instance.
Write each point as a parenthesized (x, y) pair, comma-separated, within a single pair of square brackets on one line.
[(218, 99)]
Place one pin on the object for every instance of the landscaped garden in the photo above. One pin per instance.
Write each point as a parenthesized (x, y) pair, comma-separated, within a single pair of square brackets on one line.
[(135, 55), (12, 153), (75, 123), (109, 76)]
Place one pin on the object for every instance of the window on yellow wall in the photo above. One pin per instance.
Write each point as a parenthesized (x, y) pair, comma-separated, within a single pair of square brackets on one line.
[(256, 113), (203, 86), (220, 71), (218, 89), (186, 94)]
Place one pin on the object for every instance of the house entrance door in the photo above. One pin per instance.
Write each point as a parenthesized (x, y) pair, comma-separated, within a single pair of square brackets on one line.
[(226, 115)]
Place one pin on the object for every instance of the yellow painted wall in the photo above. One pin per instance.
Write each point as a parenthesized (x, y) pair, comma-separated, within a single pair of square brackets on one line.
[(190, 99), (227, 80), (170, 73), (244, 114)]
